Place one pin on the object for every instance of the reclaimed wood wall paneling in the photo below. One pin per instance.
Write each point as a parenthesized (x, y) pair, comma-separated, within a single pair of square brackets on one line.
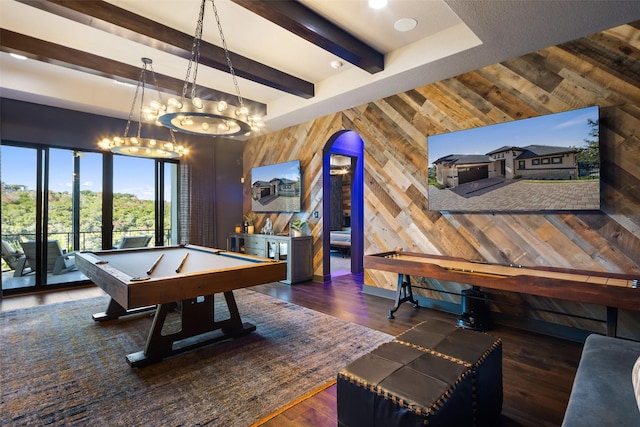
[(602, 69)]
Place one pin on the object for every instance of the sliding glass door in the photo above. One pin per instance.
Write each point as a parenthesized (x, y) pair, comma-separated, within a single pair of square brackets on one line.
[(169, 203), (133, 199), (59, 217), (58, 201), (19, 176), (40, 234), (88, 194), (145, 194), (74, 211)]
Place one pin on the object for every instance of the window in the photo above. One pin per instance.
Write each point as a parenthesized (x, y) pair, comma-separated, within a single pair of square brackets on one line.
[(89, 227), (133, 197), (21, 202), (535, 162), (44, 210), (54, 196), (545, 161), (521, 164), (169, 203), (556, 160)]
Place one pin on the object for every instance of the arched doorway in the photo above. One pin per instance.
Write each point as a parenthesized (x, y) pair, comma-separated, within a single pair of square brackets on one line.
[(349, 144)]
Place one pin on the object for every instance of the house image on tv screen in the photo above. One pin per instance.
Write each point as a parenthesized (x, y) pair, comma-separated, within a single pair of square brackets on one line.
[(535, 177), (531, 162), (276, 188), (549, 162)]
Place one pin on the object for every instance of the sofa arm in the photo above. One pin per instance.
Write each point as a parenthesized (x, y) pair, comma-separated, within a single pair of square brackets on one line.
[(602, 393)]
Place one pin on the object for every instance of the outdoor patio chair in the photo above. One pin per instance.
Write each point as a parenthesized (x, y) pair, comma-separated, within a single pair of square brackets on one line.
[(134, 242), (16, 260), (58, 260)]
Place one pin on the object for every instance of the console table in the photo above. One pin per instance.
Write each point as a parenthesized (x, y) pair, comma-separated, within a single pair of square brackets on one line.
[(297, 252)]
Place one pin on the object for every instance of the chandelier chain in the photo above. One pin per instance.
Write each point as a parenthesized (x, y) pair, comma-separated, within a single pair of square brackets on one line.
[(143, 83), (194, 60), (133, 105), (138, 145), (226, 54), (212, 117), (155, 83)]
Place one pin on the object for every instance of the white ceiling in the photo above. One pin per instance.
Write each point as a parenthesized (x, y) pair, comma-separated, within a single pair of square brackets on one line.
[(451, 37)]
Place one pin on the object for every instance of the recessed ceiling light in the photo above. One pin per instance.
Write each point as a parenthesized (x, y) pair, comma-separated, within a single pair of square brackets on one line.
[(377, 4), (405, 24), (15, 55), (336, 64)]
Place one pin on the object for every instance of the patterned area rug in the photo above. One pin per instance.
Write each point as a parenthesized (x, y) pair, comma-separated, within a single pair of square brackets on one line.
[(59, 367)]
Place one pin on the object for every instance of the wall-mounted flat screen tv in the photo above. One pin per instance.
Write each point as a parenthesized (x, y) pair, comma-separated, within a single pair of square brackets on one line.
[(550, 162), (276, 188)]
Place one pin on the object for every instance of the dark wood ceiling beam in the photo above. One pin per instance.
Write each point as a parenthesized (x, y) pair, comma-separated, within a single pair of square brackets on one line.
[(125, 24), (304, 22), (63, 56)]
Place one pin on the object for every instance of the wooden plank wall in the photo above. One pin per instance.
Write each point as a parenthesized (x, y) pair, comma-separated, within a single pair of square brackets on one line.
[(602, 69)]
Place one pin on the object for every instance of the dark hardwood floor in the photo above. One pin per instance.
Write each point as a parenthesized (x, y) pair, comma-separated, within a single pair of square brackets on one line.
[(538, 370)]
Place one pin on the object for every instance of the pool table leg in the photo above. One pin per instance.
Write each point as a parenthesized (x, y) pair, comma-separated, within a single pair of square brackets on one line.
[(115, 311), (199, 328), (612, 321)]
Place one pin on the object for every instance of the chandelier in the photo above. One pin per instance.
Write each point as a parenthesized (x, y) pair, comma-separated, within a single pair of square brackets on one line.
[(136, 145), (193, 115)]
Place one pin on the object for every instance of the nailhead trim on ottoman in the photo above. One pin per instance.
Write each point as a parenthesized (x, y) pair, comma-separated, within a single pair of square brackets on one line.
[(433, 374)]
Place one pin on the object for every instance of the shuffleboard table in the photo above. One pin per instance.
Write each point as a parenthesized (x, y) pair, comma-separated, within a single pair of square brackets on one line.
[(183, 278), (613, 290)]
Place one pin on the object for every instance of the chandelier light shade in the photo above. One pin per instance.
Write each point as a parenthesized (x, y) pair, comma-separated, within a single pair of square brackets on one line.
[(193, 115), (137, 145), (143, 147)]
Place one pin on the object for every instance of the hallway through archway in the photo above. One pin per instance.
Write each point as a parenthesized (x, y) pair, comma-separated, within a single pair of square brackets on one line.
[(344, 144)]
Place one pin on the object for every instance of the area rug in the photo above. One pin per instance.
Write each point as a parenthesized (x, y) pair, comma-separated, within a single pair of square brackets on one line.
[(59, 367)]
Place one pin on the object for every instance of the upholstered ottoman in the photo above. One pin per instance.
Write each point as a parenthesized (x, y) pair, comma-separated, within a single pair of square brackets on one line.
[(434, 374)]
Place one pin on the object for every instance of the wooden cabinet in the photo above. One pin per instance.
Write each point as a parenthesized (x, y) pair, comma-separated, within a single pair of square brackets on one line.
[(296, 251), (253, 245)]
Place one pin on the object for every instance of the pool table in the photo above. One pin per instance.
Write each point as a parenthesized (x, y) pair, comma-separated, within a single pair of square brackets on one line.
[(182, 278)]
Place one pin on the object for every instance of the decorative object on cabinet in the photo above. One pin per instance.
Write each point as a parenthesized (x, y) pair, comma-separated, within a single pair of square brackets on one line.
[(296, 251), (249, 219), (268, 227), (296, 227)]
